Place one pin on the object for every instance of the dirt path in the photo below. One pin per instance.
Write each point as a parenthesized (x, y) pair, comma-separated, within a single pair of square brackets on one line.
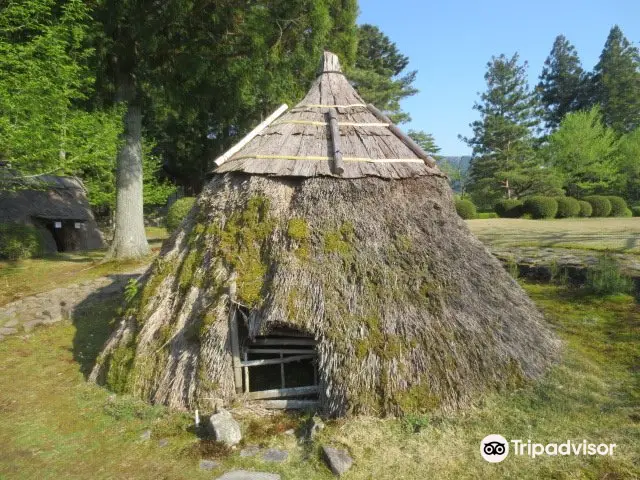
[(53, 306)]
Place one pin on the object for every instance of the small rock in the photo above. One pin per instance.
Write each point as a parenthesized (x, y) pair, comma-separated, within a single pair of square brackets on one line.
[(247, 475), (146, 435), (208, 464), (163, 442), (275, 455), (338, 461), (291, 431), (8, 331), (224, 428), (249, 451)]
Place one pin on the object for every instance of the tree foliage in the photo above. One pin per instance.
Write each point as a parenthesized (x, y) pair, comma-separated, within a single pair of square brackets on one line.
[(562, 83), (378, 73), (617, 82), (584, 151), (504, 162)]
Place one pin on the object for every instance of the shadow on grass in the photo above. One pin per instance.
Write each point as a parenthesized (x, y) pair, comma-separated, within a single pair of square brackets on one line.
[(94, 319)]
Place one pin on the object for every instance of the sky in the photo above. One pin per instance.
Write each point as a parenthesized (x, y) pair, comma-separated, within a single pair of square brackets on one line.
[(450, 42)]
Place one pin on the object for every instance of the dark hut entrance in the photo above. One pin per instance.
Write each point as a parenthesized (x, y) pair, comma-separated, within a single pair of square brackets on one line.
[(279, 370), (67, 234)]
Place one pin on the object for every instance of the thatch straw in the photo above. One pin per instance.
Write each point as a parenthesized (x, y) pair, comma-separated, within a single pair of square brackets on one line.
[(410, 311)]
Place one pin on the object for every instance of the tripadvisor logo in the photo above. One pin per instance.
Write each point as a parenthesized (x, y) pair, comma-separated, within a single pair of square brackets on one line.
[(495, 448)]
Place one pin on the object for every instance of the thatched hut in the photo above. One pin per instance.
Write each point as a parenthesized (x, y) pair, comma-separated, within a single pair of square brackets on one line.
[(324, 262), (57, 206)]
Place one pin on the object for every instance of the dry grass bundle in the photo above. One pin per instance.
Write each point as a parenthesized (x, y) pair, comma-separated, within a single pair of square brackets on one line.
[(410, 311)]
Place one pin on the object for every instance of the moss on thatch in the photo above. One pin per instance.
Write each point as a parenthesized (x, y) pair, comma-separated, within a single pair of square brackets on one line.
[(410, 311)]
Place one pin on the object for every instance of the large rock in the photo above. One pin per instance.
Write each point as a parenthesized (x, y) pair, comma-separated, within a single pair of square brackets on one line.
[(247, 475), (224, 428), (338, 461), (275, 455)]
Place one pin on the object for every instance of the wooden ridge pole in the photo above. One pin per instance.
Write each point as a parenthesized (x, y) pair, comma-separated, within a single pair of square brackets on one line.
[(338, 165), (250, 136), (413, 146)]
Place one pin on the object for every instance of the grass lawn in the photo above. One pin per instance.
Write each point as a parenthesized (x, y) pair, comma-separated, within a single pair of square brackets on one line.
[(616, 234), (55, 425), (28, 277)]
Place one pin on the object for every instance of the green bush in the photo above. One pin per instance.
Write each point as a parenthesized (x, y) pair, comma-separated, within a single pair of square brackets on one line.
[(567, 207), (466, 209), (601, 205), (541, 207), (635, 210), (510, 208), (19, 241), (178, 211), (605, 278), (486, 215), (585, 209), (618, 206)]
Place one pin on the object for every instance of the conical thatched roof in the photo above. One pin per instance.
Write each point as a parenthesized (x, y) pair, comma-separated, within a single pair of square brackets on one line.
[(299, 143), (409, 310)]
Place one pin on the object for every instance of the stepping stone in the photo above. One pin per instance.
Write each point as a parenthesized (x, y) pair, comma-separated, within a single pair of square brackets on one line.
[(208, 464), (338, 461), (163, 442), (146, 435), (247, 475), (249, 451), (275, 455), (224, 428)]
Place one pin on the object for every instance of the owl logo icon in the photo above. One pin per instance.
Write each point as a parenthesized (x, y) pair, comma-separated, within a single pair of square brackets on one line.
[(494, 448)]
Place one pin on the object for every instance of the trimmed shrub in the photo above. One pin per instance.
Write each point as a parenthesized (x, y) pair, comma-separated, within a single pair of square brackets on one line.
[(541, 207), (19, 241), (627, 213), (585, 209), (601, 205), (618, 206), (178, 211), (567, 207), (466, 209), (510, 208), (635, 211), (605, 278)]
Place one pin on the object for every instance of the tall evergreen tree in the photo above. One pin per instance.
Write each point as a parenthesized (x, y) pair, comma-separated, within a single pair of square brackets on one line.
[(204, 73), (561, 87), (617, 82), (378, 74), (504, 163)]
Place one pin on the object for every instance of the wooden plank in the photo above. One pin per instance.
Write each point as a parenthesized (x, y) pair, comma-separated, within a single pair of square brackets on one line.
[(246, 376), (275, 361), (289, 404), (277, 351), (284, 392), (284, 341), (233, 335), (250, 136)]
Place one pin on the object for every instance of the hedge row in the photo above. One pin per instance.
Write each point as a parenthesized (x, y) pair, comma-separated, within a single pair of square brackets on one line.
[(565, 207)]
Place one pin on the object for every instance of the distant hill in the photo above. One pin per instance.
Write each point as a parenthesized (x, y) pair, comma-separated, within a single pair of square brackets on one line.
[(457, 164)]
